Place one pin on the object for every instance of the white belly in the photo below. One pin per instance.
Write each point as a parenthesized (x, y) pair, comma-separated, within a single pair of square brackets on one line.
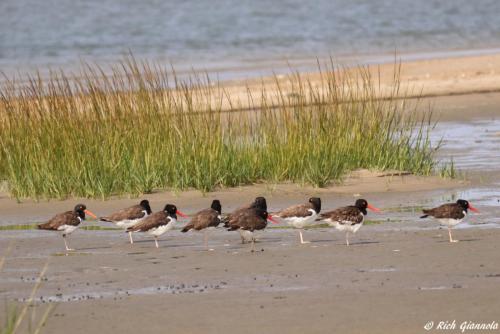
[(246, 235), (346, 227), (157, 231), (449, 221), (300, 222), (126, 223), (67, 229)]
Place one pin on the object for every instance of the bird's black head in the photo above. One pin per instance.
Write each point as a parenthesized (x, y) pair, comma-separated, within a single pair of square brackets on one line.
[(80, 210), (216, 206), (145, 205), (171, 210), (264, 215), (466, 205), (361, 204), (261, 213), (260, 202), (463, 204), (316, 202)]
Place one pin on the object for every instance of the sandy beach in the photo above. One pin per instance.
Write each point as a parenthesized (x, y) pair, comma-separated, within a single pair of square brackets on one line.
[(440, 77), (399, 274)]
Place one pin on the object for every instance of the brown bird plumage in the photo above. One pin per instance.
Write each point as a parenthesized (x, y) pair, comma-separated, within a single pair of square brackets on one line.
[(302, 210), (205, 219), (300, 215), (130, 216), (67, 222), (70, 218), (247, 222), (158, 223), (449, 210), (299, 210), (348, 218), (450, 214), (348, 215), (259, 202), (155, 220), (131, 213)]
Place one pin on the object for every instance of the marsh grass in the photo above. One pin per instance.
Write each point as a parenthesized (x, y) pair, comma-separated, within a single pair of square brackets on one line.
[(8, 325), (15, 317), (134, 128)]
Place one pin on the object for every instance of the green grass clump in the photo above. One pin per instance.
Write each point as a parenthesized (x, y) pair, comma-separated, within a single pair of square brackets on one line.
[(8, 324), (135, 129)]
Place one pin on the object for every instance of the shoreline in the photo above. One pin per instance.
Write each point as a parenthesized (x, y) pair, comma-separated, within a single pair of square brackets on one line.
[(437, 73), (190, 201)]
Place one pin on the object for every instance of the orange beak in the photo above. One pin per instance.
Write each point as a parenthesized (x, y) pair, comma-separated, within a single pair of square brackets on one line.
[(270, 218), (181, 214), (373, 208), (90, 214), (473, 208)]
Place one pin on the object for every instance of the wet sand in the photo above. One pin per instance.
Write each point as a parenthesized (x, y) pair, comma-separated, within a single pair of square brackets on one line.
[(386, 282)]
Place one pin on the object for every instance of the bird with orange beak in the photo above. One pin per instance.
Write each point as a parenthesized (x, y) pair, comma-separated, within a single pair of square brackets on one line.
[(348, 218), (158, 223), (67, 222), (450, 214)]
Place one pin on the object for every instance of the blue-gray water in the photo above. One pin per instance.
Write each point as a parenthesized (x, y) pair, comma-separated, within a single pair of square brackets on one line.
[(221, 33)]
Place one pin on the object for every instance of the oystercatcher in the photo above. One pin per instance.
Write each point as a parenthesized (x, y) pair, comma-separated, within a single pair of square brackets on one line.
[(250, 220), (259, 202), (301, 215), (205, 220), (128, 217), (348, 218), (450, 214), (158, 223), (67, 222)]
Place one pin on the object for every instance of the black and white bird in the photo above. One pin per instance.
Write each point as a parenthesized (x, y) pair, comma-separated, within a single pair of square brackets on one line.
[(130, 216), (348, 218), (450, 214), (301, 215), (67, 222), (158, 223)]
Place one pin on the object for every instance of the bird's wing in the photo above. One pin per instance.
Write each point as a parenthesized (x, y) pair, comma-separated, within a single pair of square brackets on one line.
[(155, 220), (65, 218), (450, 210), (131, 213), (206, 218), (345, 215), (299, 210)]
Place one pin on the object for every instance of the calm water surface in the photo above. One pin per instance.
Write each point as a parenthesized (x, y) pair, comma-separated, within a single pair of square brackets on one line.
[(221, 33)]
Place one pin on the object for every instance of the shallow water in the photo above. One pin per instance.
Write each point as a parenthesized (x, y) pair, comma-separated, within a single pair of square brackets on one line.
[(222, 33), (473, 146)]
